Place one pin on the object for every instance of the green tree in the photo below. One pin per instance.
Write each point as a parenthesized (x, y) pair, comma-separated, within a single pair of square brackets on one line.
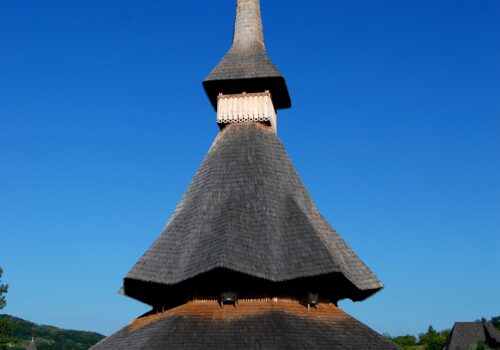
[(433, 340), (5, 333), (3, 289), (405, 341), (482, 346), (496, 322), (5, 325)]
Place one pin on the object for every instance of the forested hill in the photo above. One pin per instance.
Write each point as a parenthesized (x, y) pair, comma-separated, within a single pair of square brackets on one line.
[(46, 337)]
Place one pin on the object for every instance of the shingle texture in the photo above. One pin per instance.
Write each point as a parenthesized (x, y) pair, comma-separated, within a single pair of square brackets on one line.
[(250, 325), (466, 335), (246, 66), (247, 211)]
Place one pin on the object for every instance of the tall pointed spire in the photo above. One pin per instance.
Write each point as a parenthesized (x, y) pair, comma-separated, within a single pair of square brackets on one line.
[(247, 233), (248, 31), (246, 67)]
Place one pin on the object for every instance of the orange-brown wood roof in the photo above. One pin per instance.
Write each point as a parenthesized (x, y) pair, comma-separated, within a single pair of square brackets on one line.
[(250, 324)]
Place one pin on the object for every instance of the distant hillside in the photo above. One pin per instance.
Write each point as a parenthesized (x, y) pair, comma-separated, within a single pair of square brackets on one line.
[(47, 337)]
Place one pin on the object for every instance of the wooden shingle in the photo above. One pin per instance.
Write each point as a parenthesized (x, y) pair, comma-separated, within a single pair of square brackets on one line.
[(264, 324), (247, 211), (246, 67), (466, 335)]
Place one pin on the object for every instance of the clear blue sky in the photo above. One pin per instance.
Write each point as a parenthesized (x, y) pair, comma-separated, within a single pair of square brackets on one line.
[(395, 130)]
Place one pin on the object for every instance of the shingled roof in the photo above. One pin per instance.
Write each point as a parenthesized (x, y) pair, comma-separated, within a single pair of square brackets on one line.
[(246, 67), (466, 335), (246, 232), (247, 211), (265, 324)]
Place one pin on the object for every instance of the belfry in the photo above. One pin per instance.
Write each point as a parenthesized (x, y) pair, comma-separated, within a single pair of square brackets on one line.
[(246, 260)]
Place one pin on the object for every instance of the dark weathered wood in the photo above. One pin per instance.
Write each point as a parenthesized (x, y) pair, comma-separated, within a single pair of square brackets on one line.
[(466, 335), (246, 66), (246, 210), (248, 30), (247, 232)]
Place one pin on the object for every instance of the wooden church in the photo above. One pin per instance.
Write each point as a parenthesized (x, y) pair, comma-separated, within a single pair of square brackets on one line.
[(246, 260)]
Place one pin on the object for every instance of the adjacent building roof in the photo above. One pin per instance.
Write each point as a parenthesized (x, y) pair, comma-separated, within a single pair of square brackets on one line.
[(466, 335), (263, 324), (246, 67), (247, 211)]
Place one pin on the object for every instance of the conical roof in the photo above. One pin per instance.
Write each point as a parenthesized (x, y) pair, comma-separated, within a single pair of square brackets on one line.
[(466, 335), (262, 324), (246, 67), (247, 213)]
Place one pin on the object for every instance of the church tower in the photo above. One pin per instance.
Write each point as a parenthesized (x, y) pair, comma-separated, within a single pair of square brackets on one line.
[(246, 260)]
